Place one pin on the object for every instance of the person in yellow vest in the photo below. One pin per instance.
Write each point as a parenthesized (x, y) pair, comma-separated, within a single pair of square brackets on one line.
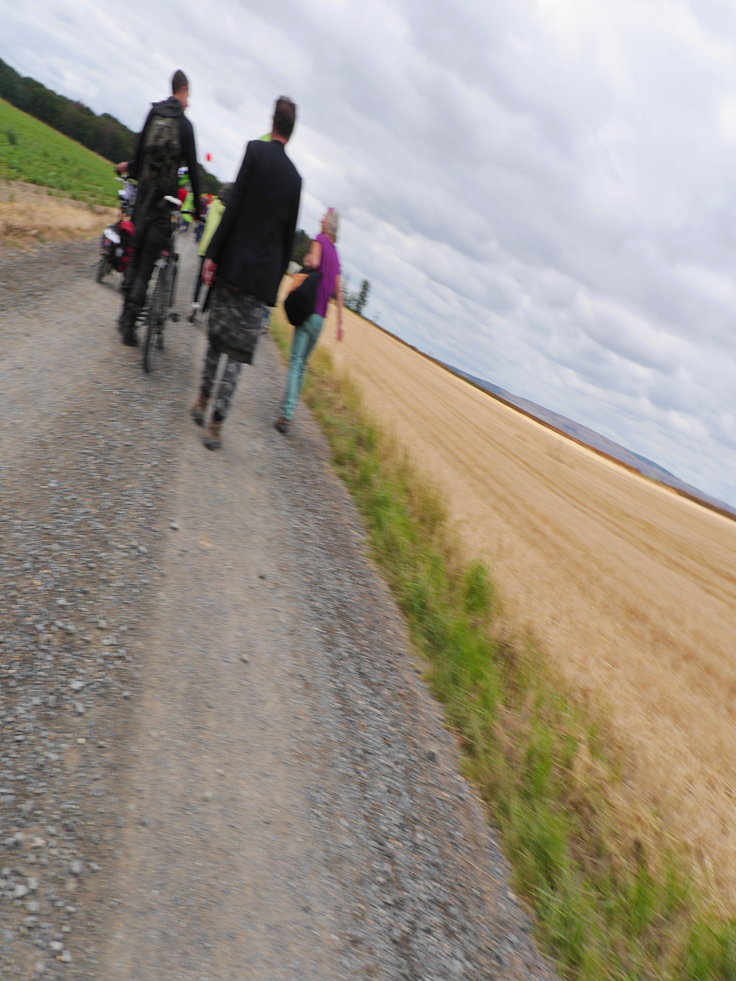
[(214, 214), (187, 211)]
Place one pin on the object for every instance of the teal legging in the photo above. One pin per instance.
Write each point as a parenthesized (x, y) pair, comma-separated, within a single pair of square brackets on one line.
[(302, 345)]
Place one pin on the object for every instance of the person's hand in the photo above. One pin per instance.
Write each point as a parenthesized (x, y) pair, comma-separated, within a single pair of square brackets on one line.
[(208, 272)]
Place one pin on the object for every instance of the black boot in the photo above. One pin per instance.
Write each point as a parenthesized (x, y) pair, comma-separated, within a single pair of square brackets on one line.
[(126, 324)]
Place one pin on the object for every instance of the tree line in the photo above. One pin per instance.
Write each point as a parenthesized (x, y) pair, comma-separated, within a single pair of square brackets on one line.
[(357, 301), (104, 134)]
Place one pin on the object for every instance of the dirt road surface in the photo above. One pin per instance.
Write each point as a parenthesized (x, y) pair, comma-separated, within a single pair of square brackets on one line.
[(218, 761), (628, 589)]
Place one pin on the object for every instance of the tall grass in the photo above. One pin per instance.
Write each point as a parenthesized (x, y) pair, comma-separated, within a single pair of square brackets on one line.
[(613, 899)]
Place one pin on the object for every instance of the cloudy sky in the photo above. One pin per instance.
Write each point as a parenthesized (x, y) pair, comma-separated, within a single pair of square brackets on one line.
[(541, 192)]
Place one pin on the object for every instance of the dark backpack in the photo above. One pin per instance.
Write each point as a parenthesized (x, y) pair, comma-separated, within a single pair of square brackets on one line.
[(301, 301), (161, 153)]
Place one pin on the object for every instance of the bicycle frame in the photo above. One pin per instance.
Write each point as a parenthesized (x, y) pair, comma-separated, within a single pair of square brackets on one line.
[(163, 296)]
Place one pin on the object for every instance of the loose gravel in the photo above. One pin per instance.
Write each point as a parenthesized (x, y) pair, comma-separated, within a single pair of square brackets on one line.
[(218, 759)]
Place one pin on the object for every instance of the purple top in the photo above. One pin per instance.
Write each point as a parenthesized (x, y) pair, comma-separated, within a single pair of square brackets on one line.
[(330, 269)]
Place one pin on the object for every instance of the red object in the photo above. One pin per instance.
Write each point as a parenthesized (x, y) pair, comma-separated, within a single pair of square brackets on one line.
[(127, 229), (209, 157), (118, 253), (209, 268)]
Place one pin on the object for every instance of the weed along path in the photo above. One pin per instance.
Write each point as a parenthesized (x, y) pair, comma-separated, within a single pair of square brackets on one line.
[(628, 589), (30, 214), (218, 758)]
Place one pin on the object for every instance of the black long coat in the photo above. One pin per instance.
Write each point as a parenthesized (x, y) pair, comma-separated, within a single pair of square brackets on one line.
[(254, 240)]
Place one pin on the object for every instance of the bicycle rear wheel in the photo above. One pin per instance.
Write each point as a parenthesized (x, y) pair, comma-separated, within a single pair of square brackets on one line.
[(174, 275), (155, 318)]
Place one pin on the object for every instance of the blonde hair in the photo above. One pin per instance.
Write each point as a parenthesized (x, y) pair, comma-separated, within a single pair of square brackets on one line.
[(332, 223)]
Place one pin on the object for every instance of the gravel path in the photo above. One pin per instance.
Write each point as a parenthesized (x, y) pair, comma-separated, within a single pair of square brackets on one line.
[(218, 760)]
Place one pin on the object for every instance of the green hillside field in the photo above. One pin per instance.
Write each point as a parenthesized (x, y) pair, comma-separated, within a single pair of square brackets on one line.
[(33, 152)]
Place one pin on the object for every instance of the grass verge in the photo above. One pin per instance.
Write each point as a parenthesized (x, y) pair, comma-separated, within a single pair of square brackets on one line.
[(613, 900), (29, 217)]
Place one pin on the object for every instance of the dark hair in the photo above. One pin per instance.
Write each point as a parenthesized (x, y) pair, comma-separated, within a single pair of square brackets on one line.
[(179, 81), (284, 116)]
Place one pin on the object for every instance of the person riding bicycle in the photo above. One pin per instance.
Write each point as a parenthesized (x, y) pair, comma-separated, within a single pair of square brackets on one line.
[(165, 142)]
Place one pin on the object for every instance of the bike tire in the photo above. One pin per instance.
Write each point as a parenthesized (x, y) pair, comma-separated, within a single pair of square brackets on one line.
[(102, 269), (174, 276), (154, 339)]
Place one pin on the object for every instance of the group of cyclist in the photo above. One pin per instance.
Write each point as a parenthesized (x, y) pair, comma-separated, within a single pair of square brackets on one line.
[(244, 256)]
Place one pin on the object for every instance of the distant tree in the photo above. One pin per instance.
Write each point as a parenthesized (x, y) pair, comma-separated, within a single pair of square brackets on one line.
[(302, 242), (118, 138), (207, 181), (362, 297), (43, 104), (76, 120), (106, 137), (9, 84)]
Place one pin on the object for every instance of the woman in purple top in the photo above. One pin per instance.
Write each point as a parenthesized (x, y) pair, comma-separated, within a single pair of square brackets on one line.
[(322, 255)]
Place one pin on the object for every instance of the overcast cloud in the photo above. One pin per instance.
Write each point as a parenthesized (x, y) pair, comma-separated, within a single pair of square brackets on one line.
[(541, 193)]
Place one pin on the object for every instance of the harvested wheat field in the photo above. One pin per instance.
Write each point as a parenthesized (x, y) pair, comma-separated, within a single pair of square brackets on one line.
[(31, 214), (628, 589)]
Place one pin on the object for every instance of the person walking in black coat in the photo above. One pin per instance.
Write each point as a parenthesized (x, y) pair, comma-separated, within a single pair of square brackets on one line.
[(246, 260)]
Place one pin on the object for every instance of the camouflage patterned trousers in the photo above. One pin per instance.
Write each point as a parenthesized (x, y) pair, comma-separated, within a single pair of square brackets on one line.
[(228, 381), (236, 323)]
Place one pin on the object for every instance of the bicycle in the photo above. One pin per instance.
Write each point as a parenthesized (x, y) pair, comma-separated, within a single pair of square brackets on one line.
[(116, 241), (163, 295)]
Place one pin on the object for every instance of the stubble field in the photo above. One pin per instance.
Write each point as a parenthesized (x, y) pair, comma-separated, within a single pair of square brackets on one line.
[(627, 589)]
